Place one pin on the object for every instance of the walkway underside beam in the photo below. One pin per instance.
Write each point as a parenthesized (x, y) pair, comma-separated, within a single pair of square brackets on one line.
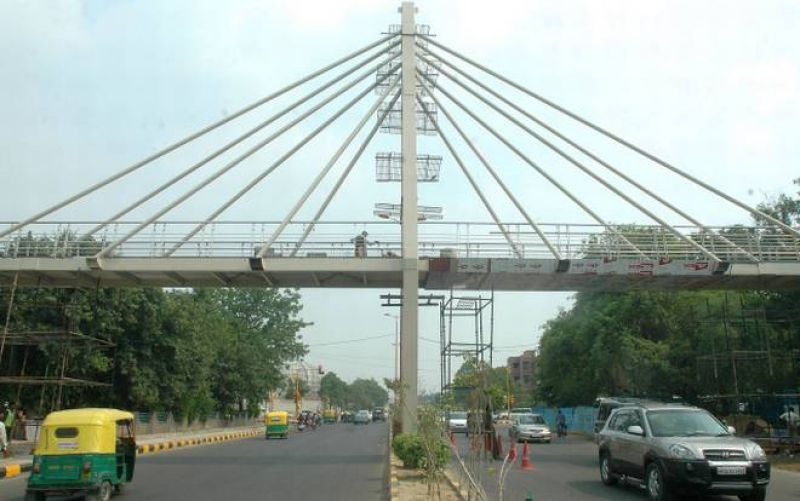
[(433, 274)]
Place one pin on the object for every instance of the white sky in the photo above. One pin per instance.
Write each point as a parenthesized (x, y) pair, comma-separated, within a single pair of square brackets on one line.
[(90, 87)]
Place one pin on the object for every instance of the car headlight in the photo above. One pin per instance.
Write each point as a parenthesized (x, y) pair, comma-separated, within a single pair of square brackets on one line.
[(757, 453), (681, 452)]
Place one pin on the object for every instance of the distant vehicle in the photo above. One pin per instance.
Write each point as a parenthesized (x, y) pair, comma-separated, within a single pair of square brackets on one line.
[(347, 417), (673, 449), (529, 428), (362, 417), (378, 414), (521, 410), (457, 422)]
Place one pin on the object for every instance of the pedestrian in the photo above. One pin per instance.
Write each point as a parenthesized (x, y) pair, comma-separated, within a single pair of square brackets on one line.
[(360, 242), (8, 421), (561, 422), (19, 431), (792, 420), (3, 435)]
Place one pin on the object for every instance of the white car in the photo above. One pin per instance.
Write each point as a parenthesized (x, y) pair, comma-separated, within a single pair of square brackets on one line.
[(529, 428), (457, 422)]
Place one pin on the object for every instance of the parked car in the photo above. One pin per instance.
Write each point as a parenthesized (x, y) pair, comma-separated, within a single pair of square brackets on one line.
[(362, 417), (673, 449), (529, 428), (457, 422), (378, 414)]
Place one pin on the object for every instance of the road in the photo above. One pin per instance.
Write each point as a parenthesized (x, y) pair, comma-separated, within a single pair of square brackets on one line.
[(334, 462), (568, 470)]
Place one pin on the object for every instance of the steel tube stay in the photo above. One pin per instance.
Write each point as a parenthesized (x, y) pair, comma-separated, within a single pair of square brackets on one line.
[(587, 171), (326, 169), (494, 175), (536, 167), (343, 176), (233, 163), (238, 140), (279, 162), (582, 150), (471, 180), (752, 210), (190, 138)]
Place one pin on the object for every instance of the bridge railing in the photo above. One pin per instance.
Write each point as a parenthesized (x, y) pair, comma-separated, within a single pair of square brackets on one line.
[(436, 238)]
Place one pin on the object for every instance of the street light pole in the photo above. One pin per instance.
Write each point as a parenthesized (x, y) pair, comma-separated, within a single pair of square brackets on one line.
[(396, 344)]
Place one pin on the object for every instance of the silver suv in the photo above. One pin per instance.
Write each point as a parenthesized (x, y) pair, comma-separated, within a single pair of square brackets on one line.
[(680, 449)]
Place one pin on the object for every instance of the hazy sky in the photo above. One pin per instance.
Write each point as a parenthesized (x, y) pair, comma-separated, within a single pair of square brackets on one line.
[(89, 87)]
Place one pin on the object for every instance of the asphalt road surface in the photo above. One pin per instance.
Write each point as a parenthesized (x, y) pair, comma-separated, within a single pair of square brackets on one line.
[(335, 462), (567, 469)]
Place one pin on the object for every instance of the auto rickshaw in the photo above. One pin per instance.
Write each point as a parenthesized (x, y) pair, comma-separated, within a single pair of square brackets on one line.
[(83, 451), (277, 424), (329, 416)]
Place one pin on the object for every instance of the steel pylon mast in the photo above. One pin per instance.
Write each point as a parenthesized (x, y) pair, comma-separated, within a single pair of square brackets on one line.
[(409, 313)]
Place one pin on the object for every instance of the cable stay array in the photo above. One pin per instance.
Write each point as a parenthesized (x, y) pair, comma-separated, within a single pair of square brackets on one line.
[(376, 69)]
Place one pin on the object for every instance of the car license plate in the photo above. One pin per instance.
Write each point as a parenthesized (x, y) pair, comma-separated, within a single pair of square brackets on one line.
[(731, 470)]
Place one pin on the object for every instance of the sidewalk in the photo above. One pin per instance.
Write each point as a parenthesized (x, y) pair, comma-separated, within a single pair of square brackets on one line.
[(147, 444)]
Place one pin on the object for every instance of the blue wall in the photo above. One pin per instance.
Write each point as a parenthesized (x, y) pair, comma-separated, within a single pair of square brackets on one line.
[(579, 418)]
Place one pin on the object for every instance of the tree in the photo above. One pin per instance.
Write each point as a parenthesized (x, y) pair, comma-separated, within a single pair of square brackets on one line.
[(334, 390)]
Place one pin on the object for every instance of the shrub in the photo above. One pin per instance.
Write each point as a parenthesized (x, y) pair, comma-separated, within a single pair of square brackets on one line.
[(410, 448)]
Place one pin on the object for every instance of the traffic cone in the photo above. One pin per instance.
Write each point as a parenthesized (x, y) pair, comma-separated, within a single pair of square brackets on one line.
[(526, 462), (512, 453)]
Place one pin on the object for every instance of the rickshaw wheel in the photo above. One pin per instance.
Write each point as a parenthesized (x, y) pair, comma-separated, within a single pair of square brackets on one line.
[(103, 494), (119, 488)]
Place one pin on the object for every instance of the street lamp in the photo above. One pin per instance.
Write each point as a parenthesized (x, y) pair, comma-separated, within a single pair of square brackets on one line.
[(396, 344)]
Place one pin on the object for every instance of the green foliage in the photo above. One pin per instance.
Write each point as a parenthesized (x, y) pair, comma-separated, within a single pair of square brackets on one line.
[(410, 448), (192, 353), (477, 384)]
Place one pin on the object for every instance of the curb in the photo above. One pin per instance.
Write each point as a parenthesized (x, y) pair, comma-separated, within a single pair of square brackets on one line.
[(394, 483), (462, 494), (14, 470), (188, 442)]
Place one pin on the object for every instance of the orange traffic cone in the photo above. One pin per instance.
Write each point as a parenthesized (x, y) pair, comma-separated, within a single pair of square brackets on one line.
[(526, 462), (512, 452)]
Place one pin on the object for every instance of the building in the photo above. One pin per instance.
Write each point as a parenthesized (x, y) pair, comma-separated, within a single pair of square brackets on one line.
[(522, 370), (309, 374)]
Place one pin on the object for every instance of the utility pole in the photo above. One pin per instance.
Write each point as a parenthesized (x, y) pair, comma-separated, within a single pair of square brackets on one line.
[(396, 344), (408, 221)]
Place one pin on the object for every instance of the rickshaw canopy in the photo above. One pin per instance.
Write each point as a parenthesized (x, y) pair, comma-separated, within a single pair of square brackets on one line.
[(81, 431), (276, 418)]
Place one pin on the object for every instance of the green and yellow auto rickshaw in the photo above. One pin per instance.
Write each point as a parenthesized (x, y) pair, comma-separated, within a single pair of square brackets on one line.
[(83, 451), (277, 424), (329, 416)]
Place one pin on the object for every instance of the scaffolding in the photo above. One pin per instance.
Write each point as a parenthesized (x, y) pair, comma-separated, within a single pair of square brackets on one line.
[(759, 379), (464, 336), (389, 167), (56, 342)]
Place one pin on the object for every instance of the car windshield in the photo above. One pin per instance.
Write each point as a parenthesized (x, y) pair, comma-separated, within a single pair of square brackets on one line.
[(458, 415), (530, 419), (684, 423)]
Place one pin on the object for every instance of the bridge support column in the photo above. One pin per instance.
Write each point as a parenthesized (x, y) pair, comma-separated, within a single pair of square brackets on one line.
[(408, 220)]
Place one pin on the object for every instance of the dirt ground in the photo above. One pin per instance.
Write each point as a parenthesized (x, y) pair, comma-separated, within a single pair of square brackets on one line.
[(413, 487)]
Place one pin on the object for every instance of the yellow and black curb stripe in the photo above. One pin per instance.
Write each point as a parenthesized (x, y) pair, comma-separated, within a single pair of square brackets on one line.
[(189, 442), (14, 470)]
